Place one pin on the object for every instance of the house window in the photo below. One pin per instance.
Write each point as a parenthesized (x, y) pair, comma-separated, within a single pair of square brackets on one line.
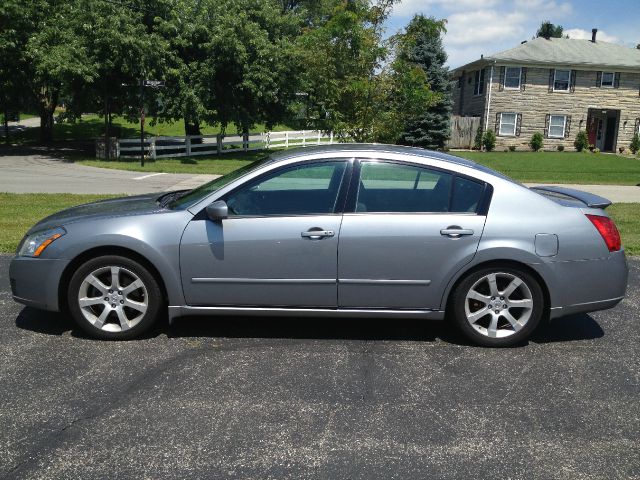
[(607, 79), (460, 81), (561, 80), (557, 125), (478, 82), (508, 124), (512, 78)]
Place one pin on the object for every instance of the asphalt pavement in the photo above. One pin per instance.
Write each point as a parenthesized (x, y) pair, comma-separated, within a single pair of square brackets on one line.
[(41, 173), (319, 399)]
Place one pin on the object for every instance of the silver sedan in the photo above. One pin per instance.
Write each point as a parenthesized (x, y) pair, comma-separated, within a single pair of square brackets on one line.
[(344, 230)]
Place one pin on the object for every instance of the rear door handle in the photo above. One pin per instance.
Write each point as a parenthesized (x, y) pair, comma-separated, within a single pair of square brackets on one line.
[(455, 232), (315, 234)]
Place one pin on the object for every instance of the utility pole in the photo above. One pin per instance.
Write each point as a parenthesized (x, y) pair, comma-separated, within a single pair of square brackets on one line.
[(142, 122)]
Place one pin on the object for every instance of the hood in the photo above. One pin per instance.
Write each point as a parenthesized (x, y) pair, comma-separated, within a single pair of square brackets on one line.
[(116, 207)]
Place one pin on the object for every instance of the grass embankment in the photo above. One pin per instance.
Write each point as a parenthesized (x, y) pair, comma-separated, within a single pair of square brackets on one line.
[(216, 165), (91, 126), (19, 211), (561, 167)]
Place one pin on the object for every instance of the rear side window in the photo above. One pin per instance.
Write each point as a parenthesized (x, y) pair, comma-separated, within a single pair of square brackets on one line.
[(387, 187), (466, 195)]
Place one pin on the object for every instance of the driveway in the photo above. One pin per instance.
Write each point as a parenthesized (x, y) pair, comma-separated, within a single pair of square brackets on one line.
[(39, 173), (239, 398)]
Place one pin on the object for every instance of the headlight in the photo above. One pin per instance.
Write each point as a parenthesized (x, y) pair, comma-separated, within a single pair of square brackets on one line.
[(34, 244)]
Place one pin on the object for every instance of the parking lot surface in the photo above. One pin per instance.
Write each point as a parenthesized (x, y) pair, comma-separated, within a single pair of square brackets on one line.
[(319, 399)]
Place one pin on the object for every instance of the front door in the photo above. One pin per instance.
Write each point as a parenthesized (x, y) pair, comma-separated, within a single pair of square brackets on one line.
[(610, 134), (277, 248), (412, 228)]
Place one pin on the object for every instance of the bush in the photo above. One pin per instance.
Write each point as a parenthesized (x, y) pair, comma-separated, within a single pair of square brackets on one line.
[(596, 150), (537, 142), (489, 140), (477, 141), (635, 144), (560, 148), (512, 148), (581, 142)]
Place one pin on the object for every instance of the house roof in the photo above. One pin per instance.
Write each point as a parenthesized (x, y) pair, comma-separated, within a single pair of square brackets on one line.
[(566, 51)]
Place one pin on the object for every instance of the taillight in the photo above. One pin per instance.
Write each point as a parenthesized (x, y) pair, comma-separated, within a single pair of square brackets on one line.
[(608, 230)]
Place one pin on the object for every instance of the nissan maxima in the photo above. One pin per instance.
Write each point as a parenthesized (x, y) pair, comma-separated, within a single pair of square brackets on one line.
[(337, 231)]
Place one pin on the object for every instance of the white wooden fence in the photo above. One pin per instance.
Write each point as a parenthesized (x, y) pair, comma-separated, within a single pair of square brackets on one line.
[(194, 145)]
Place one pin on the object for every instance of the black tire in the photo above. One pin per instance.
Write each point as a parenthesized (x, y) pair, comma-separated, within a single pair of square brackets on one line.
[(148, 296), (460, 307)]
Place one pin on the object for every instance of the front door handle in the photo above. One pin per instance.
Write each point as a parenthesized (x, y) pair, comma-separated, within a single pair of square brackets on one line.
[(317, 234), (455, 232)]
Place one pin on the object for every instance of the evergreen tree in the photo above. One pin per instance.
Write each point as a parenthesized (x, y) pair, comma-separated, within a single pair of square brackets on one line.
[(549, 30), (423, 46)]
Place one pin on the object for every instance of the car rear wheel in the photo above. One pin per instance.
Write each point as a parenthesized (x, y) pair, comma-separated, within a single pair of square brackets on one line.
[(114, 297), (498, 307)]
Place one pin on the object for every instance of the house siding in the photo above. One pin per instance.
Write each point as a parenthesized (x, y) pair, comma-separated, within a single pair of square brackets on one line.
[(535, 102), (466, 104)]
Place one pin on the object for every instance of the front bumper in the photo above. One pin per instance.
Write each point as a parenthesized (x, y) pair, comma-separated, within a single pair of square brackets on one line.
[(35, 281)]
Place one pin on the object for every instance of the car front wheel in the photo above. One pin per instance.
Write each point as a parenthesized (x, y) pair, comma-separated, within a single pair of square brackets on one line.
[(114, 297), (498, 307)]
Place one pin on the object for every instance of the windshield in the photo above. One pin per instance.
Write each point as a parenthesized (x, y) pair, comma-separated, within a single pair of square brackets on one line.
[(185, 201)]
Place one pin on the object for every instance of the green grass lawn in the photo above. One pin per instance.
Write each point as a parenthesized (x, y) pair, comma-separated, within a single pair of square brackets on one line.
[(561, 167), (23, 116), (90, 127), (19, 211), (216, 165)]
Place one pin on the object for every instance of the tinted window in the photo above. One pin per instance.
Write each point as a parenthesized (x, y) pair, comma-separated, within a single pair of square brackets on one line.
[(391, 187), (466, 195), (301, 190)]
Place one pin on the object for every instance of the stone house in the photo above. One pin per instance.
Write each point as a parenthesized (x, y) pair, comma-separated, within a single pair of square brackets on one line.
[(557, 87)]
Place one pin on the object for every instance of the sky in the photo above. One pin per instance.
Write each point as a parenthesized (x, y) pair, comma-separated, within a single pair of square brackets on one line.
[(476, 27)]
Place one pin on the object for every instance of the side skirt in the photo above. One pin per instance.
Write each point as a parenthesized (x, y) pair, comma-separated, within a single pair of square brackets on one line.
[(180, 311)]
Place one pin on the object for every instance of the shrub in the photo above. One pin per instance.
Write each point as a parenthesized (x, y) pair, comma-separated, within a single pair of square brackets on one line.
[(560, 148), (635, 144), (512, 148), (537, 141), (489, 140), (596, 150), (477, 141), (581, 142)]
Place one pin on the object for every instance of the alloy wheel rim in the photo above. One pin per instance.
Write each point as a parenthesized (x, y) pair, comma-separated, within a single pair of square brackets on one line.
[(113, 299), (498, 305)]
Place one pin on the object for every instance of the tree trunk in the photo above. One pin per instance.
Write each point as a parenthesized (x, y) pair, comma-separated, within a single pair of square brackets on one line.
[(48, 103), (192, 127)]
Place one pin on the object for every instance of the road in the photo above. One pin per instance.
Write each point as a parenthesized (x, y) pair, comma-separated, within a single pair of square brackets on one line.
[(319, 399), (39, 173)]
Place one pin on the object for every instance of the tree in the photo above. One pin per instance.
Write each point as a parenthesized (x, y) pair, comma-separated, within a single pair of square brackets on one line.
[(549, 30), (421, 45), (229, 63)]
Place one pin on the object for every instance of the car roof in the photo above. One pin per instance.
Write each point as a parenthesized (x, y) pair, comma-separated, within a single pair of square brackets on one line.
[(369, 148), (382, 148)]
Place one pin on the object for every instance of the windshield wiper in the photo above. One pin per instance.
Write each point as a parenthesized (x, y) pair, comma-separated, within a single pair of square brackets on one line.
[(167, 198)]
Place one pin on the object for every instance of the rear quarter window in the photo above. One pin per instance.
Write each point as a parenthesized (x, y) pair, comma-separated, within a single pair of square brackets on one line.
[(466, 195)]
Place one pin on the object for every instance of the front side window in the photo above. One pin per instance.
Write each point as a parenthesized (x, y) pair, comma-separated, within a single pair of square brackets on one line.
[(557, 125), (512, 76), (607, 79), (395, 188), (561, 80), (307, 189), (508, 124)]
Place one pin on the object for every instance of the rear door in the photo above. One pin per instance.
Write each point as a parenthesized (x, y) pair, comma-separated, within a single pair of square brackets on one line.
[(409, 229)]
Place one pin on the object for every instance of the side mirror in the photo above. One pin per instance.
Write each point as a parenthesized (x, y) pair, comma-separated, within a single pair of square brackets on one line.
[(217, 210)]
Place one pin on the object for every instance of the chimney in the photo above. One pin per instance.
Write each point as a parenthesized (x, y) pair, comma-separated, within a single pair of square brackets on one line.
[(594, 32)]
